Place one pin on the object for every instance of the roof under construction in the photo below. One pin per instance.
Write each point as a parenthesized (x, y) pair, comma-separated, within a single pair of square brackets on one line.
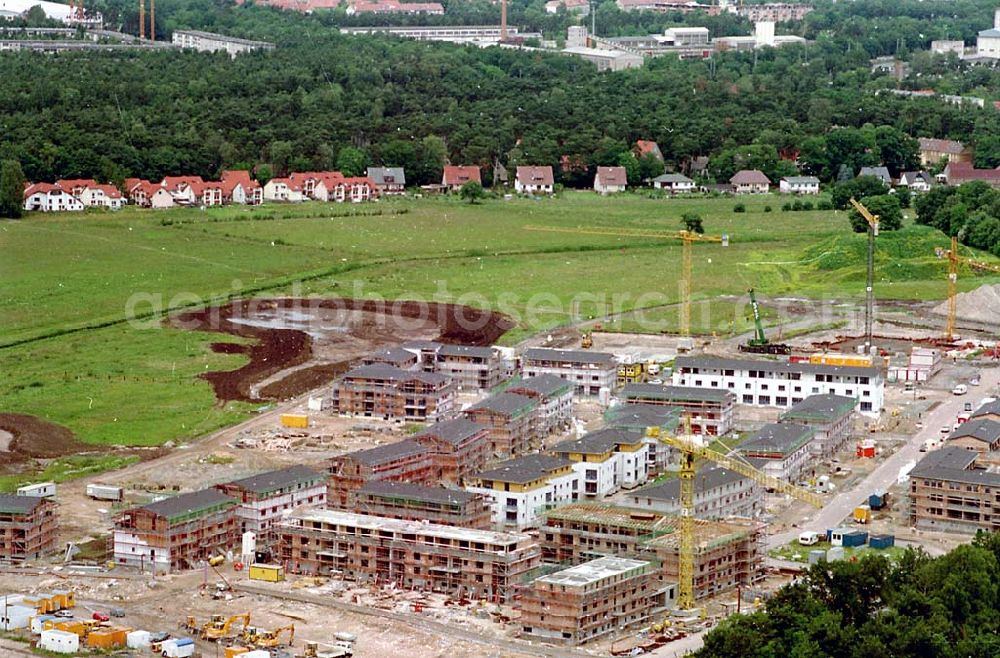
[(11, 504), (265, 483), (190, 504), (595, 571)]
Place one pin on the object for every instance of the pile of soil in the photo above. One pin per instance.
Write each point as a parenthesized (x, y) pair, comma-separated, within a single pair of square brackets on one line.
[(979, 305), (275, 349), (34, 438)]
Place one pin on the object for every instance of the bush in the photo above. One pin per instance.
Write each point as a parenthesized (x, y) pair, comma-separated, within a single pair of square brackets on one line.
[(785, 207), (824, 205), (767, 208), (807, 205), (797, 205), (740, 207)]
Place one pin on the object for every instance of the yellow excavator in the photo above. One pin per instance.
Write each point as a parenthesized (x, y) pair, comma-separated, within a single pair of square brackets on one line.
[(220, 627), (264, 639)]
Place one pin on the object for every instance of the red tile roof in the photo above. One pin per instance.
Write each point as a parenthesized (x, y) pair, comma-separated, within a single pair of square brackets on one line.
[(750, 177), (174, 183), (461, 174), (230, 179), (132, 183), (73, 183), (646, 147), (612, 175), (110, 191), (43, 188), (964, 172), (535, 175)]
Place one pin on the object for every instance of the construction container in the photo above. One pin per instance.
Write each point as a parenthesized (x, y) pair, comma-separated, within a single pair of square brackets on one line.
[(58, 641), (235, 651), (866, 449), (834, 554), (257, 653), (138, 640), (74, 626), (271, 573), (878, 500), (862, 514), (37, 623), (841, 360), (64, 598), (817, 556), (16, 617), (295, 420), (881, 542), (40, 490), (104, 492), (107, 638), (854, 539), (182, 647)]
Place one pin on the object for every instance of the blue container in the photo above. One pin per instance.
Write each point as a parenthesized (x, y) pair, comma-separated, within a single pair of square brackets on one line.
[(882, 541), (855, 539)]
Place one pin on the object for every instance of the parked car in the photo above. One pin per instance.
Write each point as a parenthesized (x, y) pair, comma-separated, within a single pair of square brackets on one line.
[(66, 614), (961, 389), (946, 429), (101, 616), (974, 381)]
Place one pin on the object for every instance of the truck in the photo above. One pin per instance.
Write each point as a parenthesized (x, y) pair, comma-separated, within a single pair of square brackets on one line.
[(104, 492)]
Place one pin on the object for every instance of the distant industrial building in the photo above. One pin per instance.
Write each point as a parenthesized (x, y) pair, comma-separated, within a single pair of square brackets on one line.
[(478, 34), (211, 42)]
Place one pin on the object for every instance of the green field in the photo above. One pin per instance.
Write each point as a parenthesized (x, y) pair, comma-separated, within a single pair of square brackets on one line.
[(68, 283)]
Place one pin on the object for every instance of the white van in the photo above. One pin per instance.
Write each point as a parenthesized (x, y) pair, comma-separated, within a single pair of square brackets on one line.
[(808, 538), (961, 389)]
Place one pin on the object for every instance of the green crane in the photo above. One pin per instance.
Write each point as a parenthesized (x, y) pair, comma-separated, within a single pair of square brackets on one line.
[(759, 344)]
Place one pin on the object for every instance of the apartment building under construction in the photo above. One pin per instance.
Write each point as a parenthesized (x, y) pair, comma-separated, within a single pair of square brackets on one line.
[(176, 533), (383, 391), (411, 554), (403, 461), (28, 527), (266, 497), (415, 502), (593, 599), (728, 553)]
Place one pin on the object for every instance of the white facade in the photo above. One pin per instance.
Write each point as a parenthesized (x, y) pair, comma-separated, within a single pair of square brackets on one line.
[(674, 182), (261, 515), (14, 617), (779, 384), (59, 641), (133, 548), (517, 504), (96, 197), (53, 201), (988, 41), (278, 189), (587, 371), (799, 185)]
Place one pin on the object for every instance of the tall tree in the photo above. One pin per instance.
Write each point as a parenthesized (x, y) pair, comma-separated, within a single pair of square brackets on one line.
[(11, 189), (352, 161)]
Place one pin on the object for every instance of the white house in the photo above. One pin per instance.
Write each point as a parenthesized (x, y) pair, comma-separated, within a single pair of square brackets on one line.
[(782, 449), (988, 41), (917, 181), (283, 189), (102, 196), (675, 183), (607, 460), (521, 489), (534, 180), (609, 180), (46, 197), (239, 187), (781, 384), (160, 198), (799, 185), (750, 181)]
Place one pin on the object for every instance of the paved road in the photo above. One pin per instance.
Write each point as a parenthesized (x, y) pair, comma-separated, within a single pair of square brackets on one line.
[(884, 476)]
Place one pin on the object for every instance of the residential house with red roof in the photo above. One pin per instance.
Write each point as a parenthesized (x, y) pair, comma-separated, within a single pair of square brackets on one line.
[(359, 189), (750, 181), (208, 193), (46, 197), (145, 194), (101, 196), (645, 147), (534, 180), (284, 189), (956, 173), (609, 180), (76, 186), (239, 187), (455, 176)]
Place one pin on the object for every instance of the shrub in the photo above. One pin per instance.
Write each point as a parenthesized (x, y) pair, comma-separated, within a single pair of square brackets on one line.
[(767, 208), (785, 207), (824, 205), (797, 205), (807, 205), (739, 207)]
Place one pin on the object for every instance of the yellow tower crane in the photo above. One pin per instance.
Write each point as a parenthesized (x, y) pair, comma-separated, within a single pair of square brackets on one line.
[(869, 288), (687, 238), (691, 450), (954, 260)]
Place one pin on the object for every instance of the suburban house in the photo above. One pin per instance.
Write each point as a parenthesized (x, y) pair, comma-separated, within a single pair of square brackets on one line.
[(47, 197), (534, 180), (182, 188), (916, 181), (521, 489), (609, 180), (783, 448), (674, 183), (933, 151), (956, 173), (588, 371), (799, 185), (283, 189), (102, 196), (238, 187), (207, 193), (750, 181), (607, 460), (646, 147), (387, 180), (455, 176), (718, 493), (881, 173)]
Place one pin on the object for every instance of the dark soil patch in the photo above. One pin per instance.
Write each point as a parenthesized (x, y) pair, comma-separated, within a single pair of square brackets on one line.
[(303, 380), (275, 349), (35, 438)]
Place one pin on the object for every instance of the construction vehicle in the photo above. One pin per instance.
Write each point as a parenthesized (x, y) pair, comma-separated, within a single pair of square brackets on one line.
[(687, 238), (759, 344), (691, 448), (870, 279), (954, 260), (587, 341), (220, 627), (263, 639)]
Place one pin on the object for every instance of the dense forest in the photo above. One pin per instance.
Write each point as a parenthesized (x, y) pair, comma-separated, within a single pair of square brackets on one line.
[(322, 97), (944, 607)]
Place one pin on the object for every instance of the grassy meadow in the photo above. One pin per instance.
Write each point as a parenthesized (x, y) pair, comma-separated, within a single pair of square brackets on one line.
[(68, 282)]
